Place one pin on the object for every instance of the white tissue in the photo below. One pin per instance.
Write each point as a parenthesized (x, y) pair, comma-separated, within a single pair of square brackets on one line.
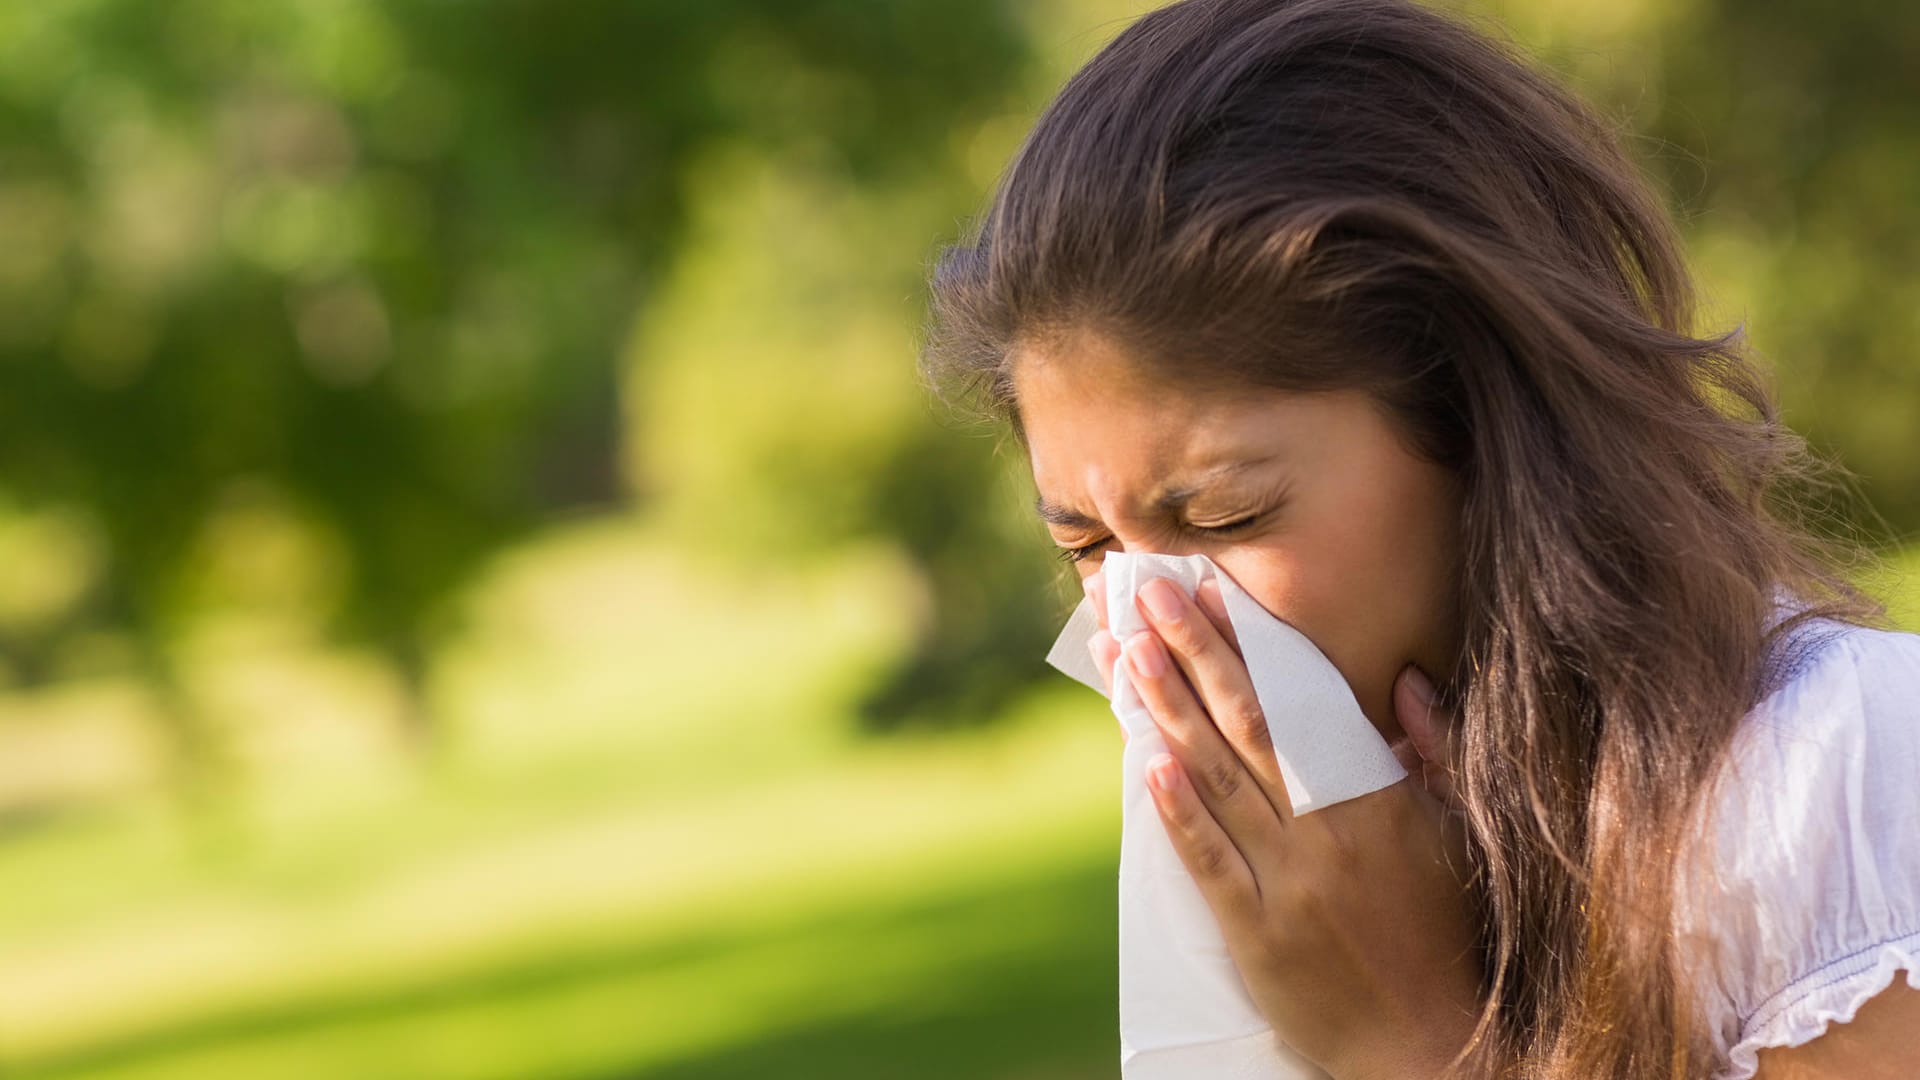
[(1184, 1011)]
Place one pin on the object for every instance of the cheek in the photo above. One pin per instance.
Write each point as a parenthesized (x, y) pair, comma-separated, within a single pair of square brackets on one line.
[(1327, 583), (1367, 582)]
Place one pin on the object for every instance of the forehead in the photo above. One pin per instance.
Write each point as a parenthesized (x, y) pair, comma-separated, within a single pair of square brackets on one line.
[(1093, 418)]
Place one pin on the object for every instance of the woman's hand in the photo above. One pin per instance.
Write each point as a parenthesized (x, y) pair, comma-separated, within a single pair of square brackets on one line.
[(1350, 926)]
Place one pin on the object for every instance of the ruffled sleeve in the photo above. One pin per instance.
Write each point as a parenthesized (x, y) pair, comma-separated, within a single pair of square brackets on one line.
[(1810, 904)]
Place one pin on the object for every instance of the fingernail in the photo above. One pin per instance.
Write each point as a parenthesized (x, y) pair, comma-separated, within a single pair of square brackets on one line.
[(1162, 599), (1208, 597), (1164, 772), (1094, 649), (1422, 686), (1144, 649)]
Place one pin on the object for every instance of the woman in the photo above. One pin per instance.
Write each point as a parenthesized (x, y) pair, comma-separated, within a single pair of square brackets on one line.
[(1345, 295)]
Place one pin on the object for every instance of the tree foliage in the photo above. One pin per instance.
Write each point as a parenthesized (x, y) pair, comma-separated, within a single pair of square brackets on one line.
[(380, 259)]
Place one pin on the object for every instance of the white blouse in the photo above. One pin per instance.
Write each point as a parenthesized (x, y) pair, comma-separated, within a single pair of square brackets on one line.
[(1811, 903)]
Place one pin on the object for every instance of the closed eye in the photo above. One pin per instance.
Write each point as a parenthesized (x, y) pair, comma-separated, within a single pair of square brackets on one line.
[(1076, 554)]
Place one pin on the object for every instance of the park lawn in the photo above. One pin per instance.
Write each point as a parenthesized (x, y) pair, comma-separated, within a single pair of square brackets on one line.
[(943, 908), (623, 873), (901, 936)]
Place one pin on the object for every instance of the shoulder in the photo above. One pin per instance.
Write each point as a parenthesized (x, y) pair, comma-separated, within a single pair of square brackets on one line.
[(1845, 711), (1832, 752), (1809, 888)]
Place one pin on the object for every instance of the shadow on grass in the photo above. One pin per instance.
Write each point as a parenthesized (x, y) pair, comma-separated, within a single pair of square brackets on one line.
[(1025, 1016), (1039, 1024), (1014, 981)]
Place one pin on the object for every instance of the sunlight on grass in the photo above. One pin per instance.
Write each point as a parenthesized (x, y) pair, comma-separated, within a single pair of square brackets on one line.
[(885, 832), (657, 833)]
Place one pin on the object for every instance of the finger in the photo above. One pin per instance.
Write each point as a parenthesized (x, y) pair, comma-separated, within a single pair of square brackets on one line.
[(1231, 794), (1221, 680), (1409, 758), (1214, 603), (1227, 881), (1096, 586), (1106, 653), (1429, 731)]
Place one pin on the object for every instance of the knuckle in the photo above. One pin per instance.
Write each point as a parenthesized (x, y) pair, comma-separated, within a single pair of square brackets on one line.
[(1212, 862), (1304, 903), (1249, 726), (1241, 904), (1278, 951), (1180, 637), (1222, 778)]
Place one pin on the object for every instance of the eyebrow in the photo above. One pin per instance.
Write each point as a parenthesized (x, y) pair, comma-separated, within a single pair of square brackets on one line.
[(1174, 498)]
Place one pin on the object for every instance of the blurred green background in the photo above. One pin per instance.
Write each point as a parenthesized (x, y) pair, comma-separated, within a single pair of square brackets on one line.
[(483, 593)]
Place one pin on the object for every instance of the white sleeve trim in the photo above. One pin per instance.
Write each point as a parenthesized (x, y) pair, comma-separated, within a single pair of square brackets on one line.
[(1831, 993)]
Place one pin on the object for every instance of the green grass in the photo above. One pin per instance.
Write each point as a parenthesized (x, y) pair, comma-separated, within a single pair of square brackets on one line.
[(626, 872), (990, 981), (942, 909)]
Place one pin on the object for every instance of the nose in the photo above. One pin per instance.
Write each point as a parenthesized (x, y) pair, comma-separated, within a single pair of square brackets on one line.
[(1231, 556)]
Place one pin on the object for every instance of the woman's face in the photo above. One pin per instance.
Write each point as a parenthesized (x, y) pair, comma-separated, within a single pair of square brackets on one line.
[(1348, 536)]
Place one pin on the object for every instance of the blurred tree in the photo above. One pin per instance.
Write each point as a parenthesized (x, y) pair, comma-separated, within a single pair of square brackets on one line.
[(1787, 137), (380, 257), (1806, 118), (778, 416), (379, 262)]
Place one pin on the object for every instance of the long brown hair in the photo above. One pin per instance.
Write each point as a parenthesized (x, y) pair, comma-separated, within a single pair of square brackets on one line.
[(1307, 194)]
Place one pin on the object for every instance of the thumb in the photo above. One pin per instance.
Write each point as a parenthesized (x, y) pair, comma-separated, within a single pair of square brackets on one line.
[(1429, 729)]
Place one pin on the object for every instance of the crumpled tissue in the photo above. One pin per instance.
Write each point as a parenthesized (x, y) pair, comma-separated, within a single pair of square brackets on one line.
[(1184, 1011)]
